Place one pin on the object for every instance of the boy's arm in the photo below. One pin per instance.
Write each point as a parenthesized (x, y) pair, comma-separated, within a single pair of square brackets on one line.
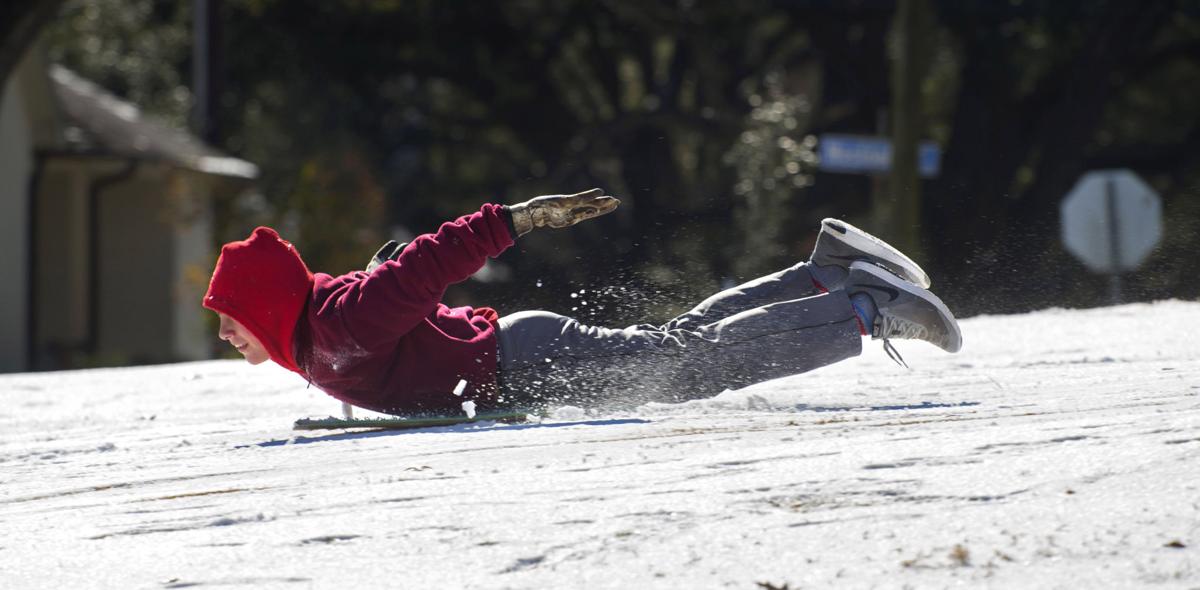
[(395, 298), (390, 301)]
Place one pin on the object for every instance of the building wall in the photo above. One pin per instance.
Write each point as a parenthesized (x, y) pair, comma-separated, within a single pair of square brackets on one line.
[(155, 256), (136, 264), (193, 262), (16, 165), (61, 288)]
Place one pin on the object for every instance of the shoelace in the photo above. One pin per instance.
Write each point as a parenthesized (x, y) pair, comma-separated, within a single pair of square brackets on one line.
[(894, 354), (890, 326)]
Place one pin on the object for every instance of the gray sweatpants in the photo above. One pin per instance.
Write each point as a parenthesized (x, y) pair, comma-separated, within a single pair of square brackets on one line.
[(770, 327)]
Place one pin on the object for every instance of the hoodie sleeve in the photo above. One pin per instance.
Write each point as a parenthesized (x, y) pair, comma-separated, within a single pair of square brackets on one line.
[(401, 293)]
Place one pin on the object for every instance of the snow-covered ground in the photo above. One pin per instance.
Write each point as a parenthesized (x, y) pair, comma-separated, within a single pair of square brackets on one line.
[(1060, 449)]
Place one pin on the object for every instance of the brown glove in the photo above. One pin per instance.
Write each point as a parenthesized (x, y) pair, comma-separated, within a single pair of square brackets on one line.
[(560, 210)]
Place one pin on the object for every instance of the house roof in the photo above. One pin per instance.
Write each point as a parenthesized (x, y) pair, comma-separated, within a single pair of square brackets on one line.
[(99, 122)]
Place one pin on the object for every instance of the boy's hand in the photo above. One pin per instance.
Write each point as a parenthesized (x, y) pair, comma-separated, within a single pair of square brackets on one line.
[(560, 210)]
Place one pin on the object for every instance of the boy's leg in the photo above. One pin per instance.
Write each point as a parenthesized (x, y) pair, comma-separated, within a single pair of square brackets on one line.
[(838, 245), (548, 358), (795, 282), (776, 340), (545, 358)]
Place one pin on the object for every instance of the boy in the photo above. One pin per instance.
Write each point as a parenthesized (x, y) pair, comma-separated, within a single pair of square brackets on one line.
[(382, 340)]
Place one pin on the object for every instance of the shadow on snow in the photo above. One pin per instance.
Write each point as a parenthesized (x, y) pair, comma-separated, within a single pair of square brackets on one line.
[(920, 406), (460, 428)]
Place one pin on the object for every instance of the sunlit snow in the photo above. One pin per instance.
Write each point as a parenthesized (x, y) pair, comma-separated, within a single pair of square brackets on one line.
[(1058, 449)]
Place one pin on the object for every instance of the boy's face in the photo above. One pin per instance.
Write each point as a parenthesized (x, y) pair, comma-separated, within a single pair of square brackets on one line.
[(236, 334)]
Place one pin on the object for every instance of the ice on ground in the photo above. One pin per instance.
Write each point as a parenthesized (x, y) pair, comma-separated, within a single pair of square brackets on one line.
[(1058, 449)]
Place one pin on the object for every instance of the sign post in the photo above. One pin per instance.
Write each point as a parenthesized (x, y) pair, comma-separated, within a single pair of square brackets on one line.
[(1111, 220)]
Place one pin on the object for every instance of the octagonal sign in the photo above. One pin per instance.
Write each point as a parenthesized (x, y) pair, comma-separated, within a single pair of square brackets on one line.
[(1111, 220)]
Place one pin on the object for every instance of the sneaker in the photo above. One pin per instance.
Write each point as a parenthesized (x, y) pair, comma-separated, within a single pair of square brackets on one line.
[(388, 251), (840, 244), (906, 311)]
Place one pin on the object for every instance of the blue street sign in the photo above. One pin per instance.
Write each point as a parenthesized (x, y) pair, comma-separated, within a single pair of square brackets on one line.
[(859, 154)]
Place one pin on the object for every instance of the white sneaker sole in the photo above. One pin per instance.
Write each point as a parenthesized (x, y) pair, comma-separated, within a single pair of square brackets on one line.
[(953, 333), (876, 251)]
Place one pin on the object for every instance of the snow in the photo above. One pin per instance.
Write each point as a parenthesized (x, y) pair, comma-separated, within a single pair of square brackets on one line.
[(1059, 449)]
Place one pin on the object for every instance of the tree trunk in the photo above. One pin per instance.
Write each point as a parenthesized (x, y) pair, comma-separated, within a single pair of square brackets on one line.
[(898, 209)]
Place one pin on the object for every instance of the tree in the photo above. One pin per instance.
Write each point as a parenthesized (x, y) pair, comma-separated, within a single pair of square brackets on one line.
[(137, 49), (702, 116), (20, 23), (504, 100), (1035, 82), (900, 209)]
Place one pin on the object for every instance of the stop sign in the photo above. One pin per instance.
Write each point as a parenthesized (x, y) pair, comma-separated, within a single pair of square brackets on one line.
[(1111, 220)]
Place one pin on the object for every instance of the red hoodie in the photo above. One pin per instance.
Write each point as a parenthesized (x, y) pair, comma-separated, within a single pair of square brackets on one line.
[(381, 341)]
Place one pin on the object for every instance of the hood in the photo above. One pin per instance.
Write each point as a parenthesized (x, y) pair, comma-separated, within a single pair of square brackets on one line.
[(263, 284)]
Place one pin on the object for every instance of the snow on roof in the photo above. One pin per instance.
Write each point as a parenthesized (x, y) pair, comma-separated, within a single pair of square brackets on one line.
[(101, 122)]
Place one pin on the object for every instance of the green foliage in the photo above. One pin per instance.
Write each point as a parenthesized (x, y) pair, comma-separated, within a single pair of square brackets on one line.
[(338, 204), (774, 160), (137, 49), (1047, 91), (701, 116)]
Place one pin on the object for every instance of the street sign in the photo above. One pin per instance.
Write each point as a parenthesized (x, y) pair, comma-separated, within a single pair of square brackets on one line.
[(1111, 220), (859, 154)]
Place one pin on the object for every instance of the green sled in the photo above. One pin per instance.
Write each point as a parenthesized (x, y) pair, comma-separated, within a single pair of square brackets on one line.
[(405, 423)]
